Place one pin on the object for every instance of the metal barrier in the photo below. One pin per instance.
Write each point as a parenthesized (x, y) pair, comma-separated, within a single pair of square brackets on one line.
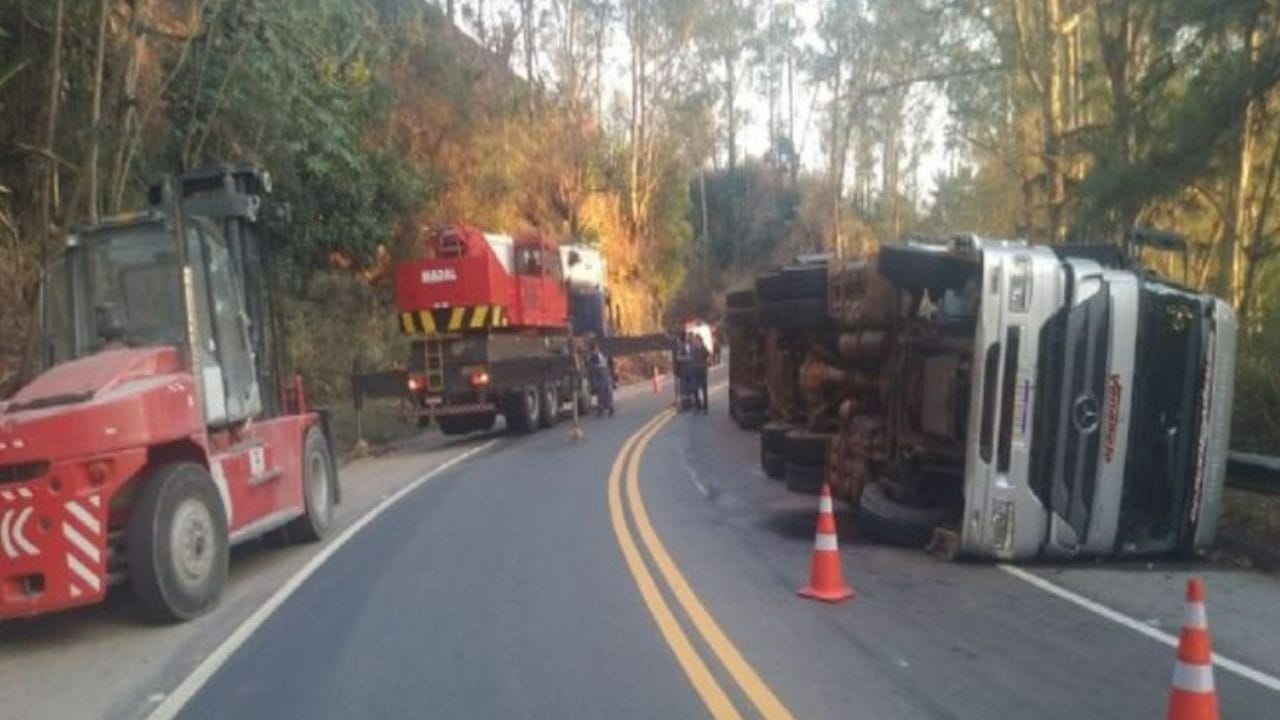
[(1253, 472)]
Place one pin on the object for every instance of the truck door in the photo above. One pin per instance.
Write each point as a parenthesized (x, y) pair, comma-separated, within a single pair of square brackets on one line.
[(529, 272)]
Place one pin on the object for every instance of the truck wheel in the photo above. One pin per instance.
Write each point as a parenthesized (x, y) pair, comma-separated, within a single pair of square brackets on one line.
[(177, 543), (773, 437), (806, 448), (740, 299), (891, 522), (805, 479), (808, 313), (317, 490), (774, 464), (521, 410), (548, 405)]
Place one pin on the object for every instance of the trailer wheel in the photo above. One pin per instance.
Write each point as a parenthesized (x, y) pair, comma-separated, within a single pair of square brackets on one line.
[(548, 405), (521, 410), (891, 522), (317, 490), (177, 543)]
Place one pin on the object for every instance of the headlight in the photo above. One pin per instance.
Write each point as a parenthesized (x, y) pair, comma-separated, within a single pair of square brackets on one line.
[(1020, 285)]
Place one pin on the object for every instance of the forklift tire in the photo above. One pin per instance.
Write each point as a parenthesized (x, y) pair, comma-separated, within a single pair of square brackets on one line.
[(521, 410), (177, 581), (893, 523), (806, 448), (317, 490), (548, 405)]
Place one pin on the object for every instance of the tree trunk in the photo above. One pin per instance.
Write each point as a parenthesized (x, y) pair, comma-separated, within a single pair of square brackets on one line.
[(731, 126), (1053, 110), (49, 184), (95, 116), (1229, 262)]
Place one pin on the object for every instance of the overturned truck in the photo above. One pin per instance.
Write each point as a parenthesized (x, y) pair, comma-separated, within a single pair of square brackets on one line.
[(1005, 400)]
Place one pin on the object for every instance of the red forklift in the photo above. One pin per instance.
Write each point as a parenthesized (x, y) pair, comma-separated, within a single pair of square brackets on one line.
[(161, 428)]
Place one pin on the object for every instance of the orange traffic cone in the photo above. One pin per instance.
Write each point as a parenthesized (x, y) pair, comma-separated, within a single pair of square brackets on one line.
[(1193, 696), (825, 580)]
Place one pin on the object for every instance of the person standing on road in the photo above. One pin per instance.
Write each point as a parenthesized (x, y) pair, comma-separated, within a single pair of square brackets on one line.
[(699, 358), (601, 379), (680, 370)]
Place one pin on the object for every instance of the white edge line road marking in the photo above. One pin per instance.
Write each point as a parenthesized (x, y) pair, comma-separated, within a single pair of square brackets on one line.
[(178, 699), (1268, 681)]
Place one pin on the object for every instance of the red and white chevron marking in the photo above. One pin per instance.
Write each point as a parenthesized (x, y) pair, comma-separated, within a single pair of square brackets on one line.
[(14, 541), (84, 534)]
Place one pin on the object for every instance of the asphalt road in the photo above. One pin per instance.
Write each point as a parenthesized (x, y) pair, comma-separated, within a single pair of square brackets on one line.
[(530, 581)]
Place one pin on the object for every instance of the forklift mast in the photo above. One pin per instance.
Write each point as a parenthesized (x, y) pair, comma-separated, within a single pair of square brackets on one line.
[(235, 197)]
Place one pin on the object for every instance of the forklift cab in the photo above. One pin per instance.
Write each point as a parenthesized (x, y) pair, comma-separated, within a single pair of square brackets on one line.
[(130, 283)]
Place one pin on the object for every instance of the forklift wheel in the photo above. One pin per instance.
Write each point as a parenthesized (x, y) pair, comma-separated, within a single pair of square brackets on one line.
[(317, 490), (177, 540)]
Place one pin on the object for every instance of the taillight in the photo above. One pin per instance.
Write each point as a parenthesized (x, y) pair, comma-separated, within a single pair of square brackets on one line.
[(417, 383), (479, 378)]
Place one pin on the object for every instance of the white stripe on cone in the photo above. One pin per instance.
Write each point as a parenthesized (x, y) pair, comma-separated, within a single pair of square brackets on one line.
[(1192, 678), (824, 505), (824, 542), (1195, 617)]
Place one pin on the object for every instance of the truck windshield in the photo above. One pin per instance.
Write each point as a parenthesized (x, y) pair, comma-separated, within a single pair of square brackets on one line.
[(120, 285), (1168, 379)]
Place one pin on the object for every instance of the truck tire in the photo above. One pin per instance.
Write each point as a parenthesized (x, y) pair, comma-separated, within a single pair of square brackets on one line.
[(177, 543), (802, 281), (750, 419), (740, 299), (741, 316), (805, 479), (750, 400), (521, 410), (548, 405), (773, 437), (773, 464), (806, 448), (795, 313), (317, 490), (893, 523)]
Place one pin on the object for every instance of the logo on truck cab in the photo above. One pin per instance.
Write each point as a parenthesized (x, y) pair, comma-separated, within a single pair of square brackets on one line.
[(431, 276), (1114, 389)]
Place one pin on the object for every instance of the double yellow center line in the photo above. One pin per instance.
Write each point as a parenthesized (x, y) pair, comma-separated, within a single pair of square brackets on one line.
[(704, 682)]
